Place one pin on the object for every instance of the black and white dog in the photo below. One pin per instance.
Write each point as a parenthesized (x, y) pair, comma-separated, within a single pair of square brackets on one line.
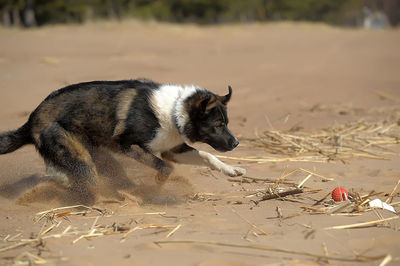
[(139, 118)]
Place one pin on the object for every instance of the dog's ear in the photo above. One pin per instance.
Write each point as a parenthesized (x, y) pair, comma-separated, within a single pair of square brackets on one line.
[(202, 104), (225, 99)]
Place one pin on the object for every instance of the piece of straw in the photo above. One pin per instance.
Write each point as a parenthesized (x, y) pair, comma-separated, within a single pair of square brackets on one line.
[(173, 231), (17, 245), (304, 180), (391, 195), (267, 248), (386, 260), (250, 223), (30, 257), (349, 226)]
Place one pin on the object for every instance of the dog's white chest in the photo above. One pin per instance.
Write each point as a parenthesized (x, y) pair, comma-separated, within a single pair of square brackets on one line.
[(165, 140)]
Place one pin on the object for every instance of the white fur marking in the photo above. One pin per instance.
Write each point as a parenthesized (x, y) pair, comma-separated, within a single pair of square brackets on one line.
[(168, 102)]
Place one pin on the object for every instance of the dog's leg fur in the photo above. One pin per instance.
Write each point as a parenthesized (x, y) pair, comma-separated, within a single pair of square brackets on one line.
[(64, 153), (164, 168), (108, 166), (187, 155), (56, 175)]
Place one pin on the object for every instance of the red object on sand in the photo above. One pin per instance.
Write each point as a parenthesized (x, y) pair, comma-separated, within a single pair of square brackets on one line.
[(340, 194)]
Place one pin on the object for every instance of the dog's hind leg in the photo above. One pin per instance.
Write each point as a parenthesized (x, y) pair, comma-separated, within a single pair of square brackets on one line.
[(185, 154), (164, 168), (108, 166), (65, 153), (56, 175)]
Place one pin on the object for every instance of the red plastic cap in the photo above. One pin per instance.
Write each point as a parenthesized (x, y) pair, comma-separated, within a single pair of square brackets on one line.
[(340, 194)]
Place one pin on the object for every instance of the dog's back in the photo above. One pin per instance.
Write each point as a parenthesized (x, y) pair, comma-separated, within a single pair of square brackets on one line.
[(93, 110)]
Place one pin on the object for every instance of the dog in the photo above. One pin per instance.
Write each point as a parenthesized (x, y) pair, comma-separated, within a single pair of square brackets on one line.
[(151, 122)]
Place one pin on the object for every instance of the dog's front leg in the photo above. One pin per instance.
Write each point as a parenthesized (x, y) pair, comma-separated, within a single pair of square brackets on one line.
[(187, 155), (164, 168)]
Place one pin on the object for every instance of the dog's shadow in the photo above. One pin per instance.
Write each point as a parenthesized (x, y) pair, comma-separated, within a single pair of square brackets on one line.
[(40, 189), (14, 190)]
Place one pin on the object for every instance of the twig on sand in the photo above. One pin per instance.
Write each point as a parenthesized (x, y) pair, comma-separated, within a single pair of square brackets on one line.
[(282, 194), (358, 258)]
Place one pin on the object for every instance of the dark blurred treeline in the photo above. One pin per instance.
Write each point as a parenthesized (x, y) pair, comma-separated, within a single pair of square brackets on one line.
[(31, 13)]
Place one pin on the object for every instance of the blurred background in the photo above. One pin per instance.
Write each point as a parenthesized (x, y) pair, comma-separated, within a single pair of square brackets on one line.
[(349, 13), (282, 57)]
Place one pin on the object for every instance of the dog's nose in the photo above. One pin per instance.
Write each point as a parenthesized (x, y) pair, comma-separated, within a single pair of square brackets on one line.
[(235, 143)]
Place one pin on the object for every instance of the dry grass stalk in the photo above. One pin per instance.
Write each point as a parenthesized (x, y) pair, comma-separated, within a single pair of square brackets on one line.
[(250, 223), (54, 213), (323, 178), (173, 231), (395, 203), (342, 142), (127, 214), (385, 95), (358, 225), (386, 260), (28, 258), (346, 214), (304, 180), (146, 226), (266, 180), (341, 206), (87, 236), (95, 229), (391, 195), (93, 232), (14, 246), (271, 159), (357, 258), (281, 179), (49, 228), (325, 248)]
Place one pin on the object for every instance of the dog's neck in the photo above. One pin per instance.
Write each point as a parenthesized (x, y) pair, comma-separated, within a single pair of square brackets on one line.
[(169, 107), (180, 113)]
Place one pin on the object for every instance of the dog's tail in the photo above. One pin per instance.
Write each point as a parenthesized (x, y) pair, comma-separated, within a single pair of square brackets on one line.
[(14, 139)]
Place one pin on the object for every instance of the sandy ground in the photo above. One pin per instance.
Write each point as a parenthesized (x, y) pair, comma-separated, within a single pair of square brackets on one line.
[(283, 76)]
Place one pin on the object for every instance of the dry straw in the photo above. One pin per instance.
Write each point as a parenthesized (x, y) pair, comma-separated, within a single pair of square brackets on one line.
[(357, 258), (341, 142), (55, 217)]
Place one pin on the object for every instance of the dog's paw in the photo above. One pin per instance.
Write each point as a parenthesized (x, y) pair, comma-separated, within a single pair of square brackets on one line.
[(234, 171), (160, 179)]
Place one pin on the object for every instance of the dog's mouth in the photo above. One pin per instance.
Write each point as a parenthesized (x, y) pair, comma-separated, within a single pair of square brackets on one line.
[(222, 149), (227, 146)]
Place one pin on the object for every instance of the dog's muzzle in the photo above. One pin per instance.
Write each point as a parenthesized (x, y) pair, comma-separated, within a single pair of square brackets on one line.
[(233, 143)]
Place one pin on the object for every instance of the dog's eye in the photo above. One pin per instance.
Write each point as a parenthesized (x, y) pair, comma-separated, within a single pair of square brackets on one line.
[(219, 125)]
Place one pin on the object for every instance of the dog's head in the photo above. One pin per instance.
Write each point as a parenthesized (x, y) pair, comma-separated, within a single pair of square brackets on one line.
[(208, 120)]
